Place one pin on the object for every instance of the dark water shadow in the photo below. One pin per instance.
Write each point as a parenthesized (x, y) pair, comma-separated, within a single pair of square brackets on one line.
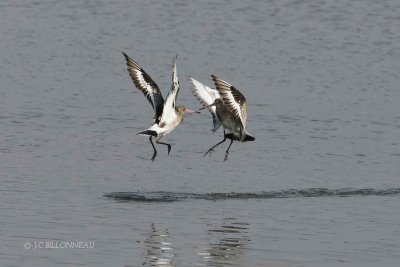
[(162, 196)]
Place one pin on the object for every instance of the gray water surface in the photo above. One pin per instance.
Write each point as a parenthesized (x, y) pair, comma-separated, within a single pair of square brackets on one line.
[(318, 187)]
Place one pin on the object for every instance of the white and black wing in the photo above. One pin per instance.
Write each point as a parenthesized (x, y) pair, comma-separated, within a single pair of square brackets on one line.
[(206, 97), (169, 113), (233, 100), (146, 85)]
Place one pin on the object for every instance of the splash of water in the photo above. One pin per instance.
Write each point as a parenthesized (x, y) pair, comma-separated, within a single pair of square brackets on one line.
[(162, 196)]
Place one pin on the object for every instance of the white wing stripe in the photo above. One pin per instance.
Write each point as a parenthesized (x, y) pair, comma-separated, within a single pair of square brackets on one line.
[(144, 84), (229, 100), (233, 103)]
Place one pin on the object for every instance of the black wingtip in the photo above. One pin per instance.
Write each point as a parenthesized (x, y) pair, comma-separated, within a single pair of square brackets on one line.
[(174, 60), (126, 56), (249, 138), (148, 133), (246, 139), (215, 78)]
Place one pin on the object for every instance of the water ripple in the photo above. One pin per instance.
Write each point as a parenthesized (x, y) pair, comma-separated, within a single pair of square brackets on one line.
[(162, 196)]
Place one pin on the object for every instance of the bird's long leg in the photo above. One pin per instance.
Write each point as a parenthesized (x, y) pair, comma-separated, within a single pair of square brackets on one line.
[(212, 148), (227, 151), (165, 144), (155, 151)]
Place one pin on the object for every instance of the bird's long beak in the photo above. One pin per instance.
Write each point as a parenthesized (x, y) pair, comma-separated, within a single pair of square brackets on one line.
[(191, 111)]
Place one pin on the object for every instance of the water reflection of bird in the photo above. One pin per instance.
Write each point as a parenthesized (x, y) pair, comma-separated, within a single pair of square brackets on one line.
[(228, 107), (228, 249), (167, 115), (159, 251)]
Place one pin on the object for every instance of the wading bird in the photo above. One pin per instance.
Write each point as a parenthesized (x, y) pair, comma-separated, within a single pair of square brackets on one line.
[(228, 107), (167, 115)]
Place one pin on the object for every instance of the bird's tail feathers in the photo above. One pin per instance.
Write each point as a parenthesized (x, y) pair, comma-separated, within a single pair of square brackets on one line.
[(247, 137), (148, 133)]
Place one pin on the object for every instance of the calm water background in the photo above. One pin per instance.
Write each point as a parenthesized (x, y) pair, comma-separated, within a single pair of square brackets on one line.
[(322, 83)]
